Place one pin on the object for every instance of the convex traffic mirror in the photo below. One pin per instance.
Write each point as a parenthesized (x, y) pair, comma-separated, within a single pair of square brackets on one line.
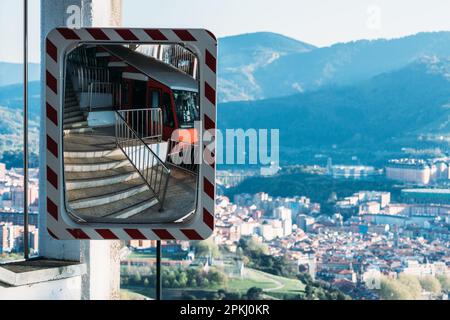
[(130, 133)]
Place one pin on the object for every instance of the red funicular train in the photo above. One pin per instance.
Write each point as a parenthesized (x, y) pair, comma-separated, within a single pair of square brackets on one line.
[(149, 83)]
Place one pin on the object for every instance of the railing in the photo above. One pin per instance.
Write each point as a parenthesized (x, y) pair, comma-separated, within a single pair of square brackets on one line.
[(183, 155), (84, 68), (146, 122), (181, 58), (84, 56), (87, 75), (173, 54), (150, 167), (82, 76), (104, 94)]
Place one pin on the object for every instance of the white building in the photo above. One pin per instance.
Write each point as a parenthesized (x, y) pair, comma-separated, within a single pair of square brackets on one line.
[(282, 213), (417, 171), (414, 267)]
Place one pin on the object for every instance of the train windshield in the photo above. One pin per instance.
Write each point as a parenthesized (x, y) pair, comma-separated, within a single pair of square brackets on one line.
[(187, 108)]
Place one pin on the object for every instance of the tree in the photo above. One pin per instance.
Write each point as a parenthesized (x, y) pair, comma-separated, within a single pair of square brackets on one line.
[(250, 244), (254, 293), (14, 159), (341, 296), (305, 277), (217, 277), (412, 283), (321, 295), (394, 290), (183, 279), (309, 292), (170, 279), (192, 282), (430, 284), (444, 280), (206, 247)]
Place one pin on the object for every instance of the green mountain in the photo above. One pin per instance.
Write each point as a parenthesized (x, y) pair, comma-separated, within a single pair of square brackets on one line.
[(242, 55), (11, 120), (11, 96), (390, 110), (304, 68)]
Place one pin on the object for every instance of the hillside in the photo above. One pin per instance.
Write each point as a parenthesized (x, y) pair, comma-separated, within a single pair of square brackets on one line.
[(315, 68), (11, 120), (11, 96), (242, 55), (388, 110), (365, 94), (12, 73)]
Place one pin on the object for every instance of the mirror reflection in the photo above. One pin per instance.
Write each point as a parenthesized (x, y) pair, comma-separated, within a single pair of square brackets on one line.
[(130, 137)]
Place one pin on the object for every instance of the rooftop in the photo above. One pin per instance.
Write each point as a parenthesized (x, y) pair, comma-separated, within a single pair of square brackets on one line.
[(428, 190)]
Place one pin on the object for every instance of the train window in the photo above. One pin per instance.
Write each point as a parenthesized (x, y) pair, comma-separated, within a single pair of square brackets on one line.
[(154, 98), (139, 93), (167, 111), (186, 108)]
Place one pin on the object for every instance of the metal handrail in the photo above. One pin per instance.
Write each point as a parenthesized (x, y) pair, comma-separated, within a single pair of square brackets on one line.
[(146, 162), (183, 155), (147, 122)]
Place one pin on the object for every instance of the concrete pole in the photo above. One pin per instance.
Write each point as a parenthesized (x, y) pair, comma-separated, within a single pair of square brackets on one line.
[(102, 280)]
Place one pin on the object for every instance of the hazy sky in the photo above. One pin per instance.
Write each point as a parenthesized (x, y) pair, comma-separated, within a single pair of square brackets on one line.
[(11, 29), (319, 22)]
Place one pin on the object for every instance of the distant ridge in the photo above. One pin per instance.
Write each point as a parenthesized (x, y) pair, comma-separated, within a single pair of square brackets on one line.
[(242, 55), (12, 73), (315, 68), (391, 110)]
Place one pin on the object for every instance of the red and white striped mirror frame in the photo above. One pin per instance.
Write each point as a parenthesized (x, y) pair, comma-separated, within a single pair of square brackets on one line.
[(59, 225)]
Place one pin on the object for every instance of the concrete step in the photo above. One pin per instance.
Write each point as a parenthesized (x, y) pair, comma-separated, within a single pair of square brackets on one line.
[(72, 109), (70, 95), (90, 145), (92, 197), (71, 104), (83, 180), (92, 153), (74, 119), (76, 125), (122, 209), (95, 164), (77, 131), (70, 98), (72, 113), (136, 209)]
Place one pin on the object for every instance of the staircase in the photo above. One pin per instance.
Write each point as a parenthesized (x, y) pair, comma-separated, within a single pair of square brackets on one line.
[(113, 176), (74, 118), (100, 181)]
